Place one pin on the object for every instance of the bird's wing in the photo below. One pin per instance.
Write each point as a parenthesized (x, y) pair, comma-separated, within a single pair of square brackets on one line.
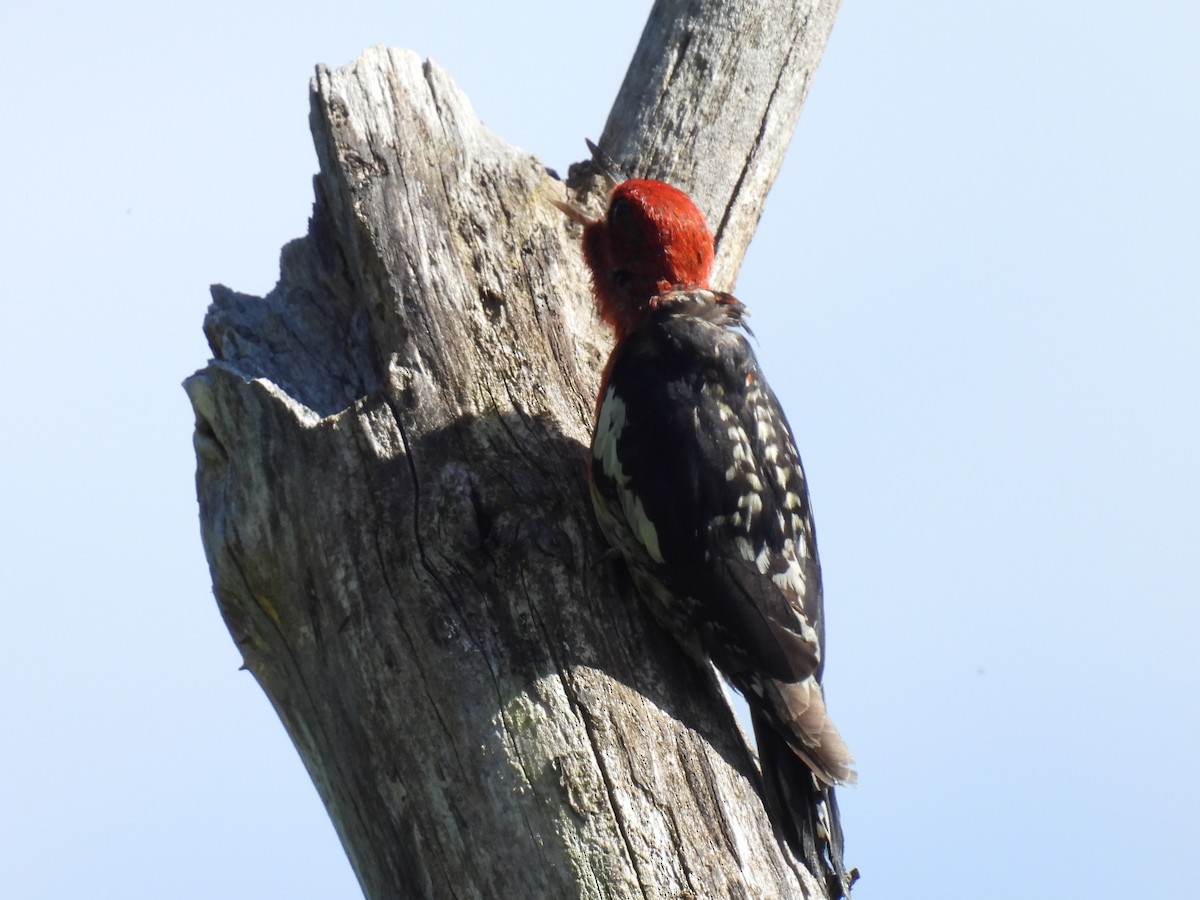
[(695, 464)]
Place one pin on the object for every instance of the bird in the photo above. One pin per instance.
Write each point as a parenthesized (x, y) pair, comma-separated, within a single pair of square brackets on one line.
[(696, 482)]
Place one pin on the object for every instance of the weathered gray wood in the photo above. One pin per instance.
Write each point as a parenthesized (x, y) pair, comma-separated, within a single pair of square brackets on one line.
[(391, 480), (710, 102)]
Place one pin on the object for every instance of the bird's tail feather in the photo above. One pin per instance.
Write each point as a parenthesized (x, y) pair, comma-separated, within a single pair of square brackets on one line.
[(803, 808)]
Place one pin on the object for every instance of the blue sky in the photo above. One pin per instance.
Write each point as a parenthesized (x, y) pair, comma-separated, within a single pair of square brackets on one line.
[(976, 290)]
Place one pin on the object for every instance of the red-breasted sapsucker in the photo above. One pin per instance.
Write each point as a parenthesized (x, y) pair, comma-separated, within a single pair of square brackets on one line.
[(696, 481)]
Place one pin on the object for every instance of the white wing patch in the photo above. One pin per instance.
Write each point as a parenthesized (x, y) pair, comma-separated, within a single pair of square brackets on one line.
[(610, 422), (635, 514)]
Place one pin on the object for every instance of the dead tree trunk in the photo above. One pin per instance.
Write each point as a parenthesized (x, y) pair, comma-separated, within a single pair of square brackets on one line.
[(391, 453)]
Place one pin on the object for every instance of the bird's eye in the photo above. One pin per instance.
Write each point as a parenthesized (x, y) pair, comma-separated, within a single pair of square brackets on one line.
[(622, 278)]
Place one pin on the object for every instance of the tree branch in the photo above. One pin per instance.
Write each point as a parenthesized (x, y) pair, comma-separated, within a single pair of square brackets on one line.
[(710, 102)]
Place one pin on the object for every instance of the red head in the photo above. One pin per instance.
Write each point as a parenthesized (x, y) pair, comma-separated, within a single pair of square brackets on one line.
[(651, 238)]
